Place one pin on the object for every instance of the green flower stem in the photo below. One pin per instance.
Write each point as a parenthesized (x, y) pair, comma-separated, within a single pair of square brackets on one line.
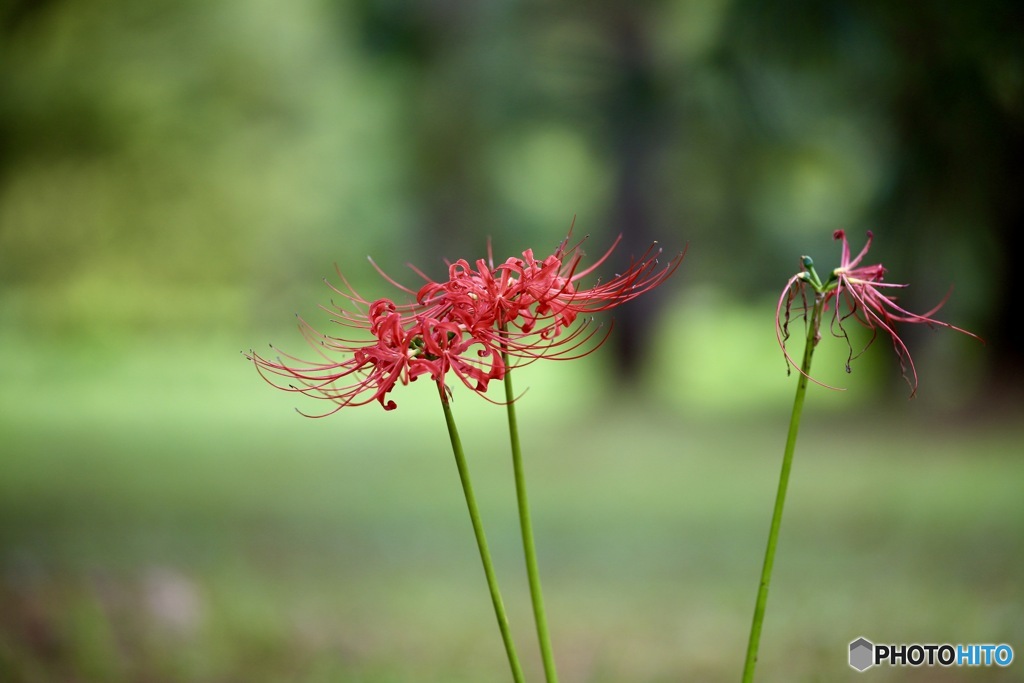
[(780, 497), (529, 552), (481, 539)]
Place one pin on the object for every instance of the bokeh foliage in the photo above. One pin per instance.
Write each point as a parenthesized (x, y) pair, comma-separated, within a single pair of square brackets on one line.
[(160, 151), (176, 177)]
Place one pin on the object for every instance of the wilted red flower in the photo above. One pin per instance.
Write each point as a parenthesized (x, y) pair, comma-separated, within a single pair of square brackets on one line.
[(463, 325), (857, 292)]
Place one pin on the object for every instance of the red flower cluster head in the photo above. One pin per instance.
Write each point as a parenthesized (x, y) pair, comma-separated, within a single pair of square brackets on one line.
[(471, 325), (858, 292)]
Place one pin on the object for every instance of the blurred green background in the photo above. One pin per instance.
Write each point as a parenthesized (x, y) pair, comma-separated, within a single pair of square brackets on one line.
[(177, 178)]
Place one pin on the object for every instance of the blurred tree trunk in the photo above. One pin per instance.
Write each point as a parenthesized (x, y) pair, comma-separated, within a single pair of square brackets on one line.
[(432, 44), (1007, 342), (960, 177), (636, 113)]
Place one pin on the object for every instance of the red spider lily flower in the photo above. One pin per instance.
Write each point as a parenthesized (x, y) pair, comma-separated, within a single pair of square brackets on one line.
[(466, 325), (402, 350), (857, 292), (551, 285), (541, 297)]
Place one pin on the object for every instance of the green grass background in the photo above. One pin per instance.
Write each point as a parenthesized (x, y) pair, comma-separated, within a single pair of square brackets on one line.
[(165, 516)]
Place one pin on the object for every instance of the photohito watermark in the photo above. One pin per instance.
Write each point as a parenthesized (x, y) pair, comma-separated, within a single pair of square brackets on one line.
[(864, 654)]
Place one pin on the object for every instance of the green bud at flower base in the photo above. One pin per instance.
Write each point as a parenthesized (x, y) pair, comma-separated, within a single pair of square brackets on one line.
[(808, 264)]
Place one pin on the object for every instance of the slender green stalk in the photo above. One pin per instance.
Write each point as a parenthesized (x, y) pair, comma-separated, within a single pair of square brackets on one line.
[(780, 497), (481, 539), (529, 552)]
